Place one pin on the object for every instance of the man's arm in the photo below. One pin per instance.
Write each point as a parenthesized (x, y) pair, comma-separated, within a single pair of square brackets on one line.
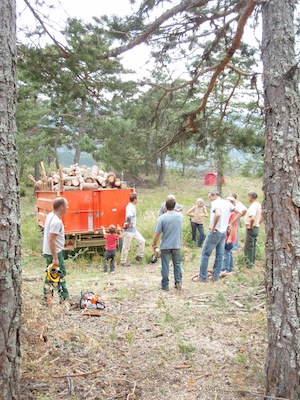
[(190, 213), (52, 245), (236, 218), (217, 216), (251, 222), (155, 239)]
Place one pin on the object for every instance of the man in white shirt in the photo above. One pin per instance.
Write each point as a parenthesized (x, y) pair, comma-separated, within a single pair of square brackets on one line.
[(53, 244), (131, 232), (215, 239)]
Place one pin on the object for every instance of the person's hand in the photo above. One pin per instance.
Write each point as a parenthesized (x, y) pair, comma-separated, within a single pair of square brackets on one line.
[(55, 261)]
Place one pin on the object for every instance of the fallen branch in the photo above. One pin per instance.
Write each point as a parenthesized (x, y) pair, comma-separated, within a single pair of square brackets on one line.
[(31, 278), (75, 375), (92, 313), (183, 366), (132, 393)]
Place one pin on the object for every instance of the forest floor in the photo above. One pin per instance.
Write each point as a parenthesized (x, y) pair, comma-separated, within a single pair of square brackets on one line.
[(207, 341)]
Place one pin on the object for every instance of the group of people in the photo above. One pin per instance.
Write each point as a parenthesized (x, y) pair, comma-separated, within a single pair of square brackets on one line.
[(222, 236)]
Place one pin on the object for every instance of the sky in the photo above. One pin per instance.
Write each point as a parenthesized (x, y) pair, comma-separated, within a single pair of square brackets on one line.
[(134, 59)]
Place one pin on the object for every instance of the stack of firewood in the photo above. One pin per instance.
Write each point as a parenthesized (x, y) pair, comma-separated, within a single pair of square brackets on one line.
[(77, 178)]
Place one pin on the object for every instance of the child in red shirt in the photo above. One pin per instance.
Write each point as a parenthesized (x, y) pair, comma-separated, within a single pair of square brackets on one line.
[(111, 246)]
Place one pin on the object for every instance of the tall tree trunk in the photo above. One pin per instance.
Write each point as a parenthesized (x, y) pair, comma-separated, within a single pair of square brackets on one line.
[(81, 131), (282, 199), (10, 266), (37, 170), (162, 170), (58, 133), (219, 171)]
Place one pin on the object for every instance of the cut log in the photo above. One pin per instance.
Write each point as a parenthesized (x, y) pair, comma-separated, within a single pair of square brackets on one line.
[(95, 170), (123, 185), (55, 178), (89, 179), (69, 188), (72, 180), (43, 174), (100, 179), (75, 182), (111, 177), (36, 184), (50, 183), (68, 171), (118, 182), (90, 186)]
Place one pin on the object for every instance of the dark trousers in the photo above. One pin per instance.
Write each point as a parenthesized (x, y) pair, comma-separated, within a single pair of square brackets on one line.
[(109, 255), (61, 286), (200, 229), (250, 246)]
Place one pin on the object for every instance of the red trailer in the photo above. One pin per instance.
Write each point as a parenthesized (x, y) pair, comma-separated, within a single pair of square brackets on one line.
[(88, 211)]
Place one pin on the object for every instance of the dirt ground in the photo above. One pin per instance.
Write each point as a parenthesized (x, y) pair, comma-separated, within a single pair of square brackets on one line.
[(207, 341)]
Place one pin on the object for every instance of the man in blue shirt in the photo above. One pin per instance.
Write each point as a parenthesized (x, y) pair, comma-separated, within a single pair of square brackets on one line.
[(163, 207), (170, 226)]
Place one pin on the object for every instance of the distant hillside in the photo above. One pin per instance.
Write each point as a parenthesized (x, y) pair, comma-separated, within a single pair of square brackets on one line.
[(66, 158)]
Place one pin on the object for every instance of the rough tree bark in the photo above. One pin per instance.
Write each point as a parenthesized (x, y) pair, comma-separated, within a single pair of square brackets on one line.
[(162, 169), (81, 131), (282, 199), (10, 265)]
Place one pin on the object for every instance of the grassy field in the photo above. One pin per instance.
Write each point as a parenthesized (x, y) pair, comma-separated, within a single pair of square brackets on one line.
[(206, 342)]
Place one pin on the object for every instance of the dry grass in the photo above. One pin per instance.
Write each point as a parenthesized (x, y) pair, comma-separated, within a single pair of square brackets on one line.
[(205, 342)]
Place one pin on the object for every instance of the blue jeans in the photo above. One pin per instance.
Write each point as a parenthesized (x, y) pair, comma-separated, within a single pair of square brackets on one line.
[(228, 258), (165, 256), (109, 255), (214, 240), (200, 229)]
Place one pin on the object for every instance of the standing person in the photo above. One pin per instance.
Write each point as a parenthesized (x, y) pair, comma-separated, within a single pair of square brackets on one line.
[(242, 209), (131, 232), (197, 212), (163, 207), (252, 220), (215, 239), (53, 244), (170, 226), (111, 239), (231, 235)]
